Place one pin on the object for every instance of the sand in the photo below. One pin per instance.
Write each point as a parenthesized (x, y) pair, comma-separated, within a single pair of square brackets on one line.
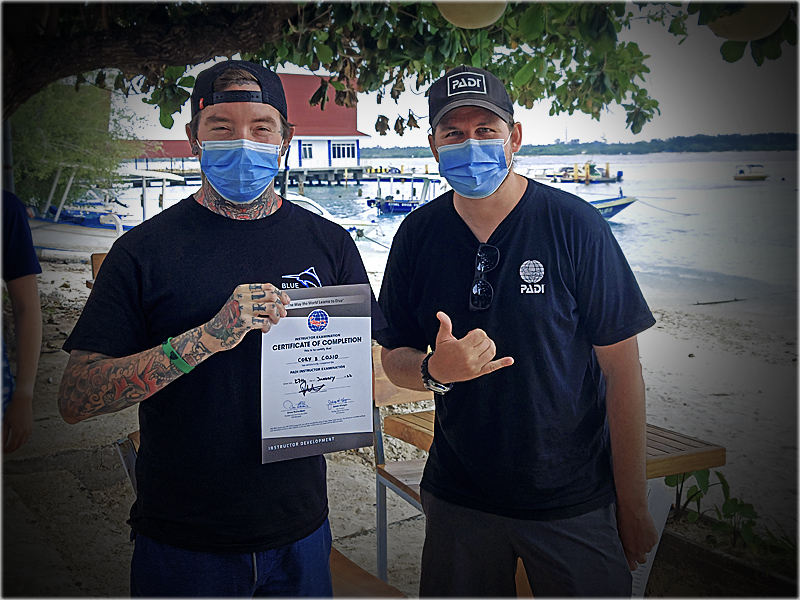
[(725, 373)]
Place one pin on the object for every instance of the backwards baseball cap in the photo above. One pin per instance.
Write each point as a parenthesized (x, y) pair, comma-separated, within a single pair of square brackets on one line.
[(468, 86), (271, 87)]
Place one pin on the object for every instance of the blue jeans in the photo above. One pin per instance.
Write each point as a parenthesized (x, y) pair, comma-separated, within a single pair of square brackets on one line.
[(298, 569)]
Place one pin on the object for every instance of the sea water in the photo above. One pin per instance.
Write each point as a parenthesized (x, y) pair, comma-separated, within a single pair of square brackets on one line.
[(695, 235)]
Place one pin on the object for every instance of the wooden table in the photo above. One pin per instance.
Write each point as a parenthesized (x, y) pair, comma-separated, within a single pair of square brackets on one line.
[(668, 452)]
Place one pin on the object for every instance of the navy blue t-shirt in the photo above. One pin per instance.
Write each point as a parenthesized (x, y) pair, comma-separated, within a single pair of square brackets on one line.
[(201, 484), (531, 440), (19, 256)]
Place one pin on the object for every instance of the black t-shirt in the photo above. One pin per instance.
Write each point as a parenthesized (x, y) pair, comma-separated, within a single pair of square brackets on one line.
[(19, 256), (530, 440), (201, 484)]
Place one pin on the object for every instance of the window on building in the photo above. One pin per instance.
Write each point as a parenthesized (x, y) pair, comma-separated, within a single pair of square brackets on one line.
[(343, 150), (307, 150)]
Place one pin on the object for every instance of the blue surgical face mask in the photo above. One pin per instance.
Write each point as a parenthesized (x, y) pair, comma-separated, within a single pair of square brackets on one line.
[(240, 170), (474, 168)]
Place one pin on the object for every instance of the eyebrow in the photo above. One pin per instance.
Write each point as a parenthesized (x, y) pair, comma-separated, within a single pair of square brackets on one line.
[(449, 124), (220, 119)]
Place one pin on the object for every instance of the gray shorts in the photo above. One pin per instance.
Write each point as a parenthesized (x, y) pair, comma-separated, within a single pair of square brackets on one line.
[(472, 553)]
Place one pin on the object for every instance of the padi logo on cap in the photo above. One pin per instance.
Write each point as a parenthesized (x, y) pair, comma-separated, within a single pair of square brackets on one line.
[(466, 83)]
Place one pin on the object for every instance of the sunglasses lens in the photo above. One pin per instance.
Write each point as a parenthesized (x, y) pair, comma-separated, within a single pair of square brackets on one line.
[(481, 296), (487, 258)]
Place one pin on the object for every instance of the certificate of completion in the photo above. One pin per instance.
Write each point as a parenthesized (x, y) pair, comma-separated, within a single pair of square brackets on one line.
[(316, 374)]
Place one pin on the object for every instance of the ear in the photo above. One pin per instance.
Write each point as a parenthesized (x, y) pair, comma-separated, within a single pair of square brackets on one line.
[(433, 147), (193, 143), (516, 138)]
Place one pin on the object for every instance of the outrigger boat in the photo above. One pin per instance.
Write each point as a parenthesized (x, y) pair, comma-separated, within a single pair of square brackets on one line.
[(93, 226), (610, 207)]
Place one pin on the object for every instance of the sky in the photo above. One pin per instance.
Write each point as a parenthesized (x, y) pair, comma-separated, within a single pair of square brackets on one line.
[(698, 93)]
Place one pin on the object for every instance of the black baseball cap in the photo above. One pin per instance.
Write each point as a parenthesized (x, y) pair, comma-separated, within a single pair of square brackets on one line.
[(468, 86), (271, 87)]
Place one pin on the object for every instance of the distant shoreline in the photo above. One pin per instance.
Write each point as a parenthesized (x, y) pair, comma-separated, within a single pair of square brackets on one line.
[(761, 142)]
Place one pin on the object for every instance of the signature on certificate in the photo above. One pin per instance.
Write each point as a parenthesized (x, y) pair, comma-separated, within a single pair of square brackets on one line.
[(308, 388), (288, 405), (338, 404)]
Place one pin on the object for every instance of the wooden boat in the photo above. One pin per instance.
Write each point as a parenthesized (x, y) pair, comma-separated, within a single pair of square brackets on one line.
[(93, 229), (587, 173), (610, 207), (750, 173), (402, 203)]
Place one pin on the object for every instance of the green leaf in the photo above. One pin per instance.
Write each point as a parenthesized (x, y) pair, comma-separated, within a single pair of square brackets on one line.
[(671, 480), (732, 51), (525, 74), (726, 489), (325, 54), (692, 516), (187, 81), (789, 31), (757, 53), (701, 477), (747, 511), (531, 23), (174, 72), (730, 507), (166, 120)]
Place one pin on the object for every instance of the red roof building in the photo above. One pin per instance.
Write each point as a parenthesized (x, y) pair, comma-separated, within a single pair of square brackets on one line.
[(322, 138)]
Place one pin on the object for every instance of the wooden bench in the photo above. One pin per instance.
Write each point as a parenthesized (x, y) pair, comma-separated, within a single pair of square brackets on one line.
[(668, 453), (349, 579), (97, 260)]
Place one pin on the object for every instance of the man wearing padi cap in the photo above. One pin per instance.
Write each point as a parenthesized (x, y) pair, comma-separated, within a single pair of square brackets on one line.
[(165, 328), (538, 454)]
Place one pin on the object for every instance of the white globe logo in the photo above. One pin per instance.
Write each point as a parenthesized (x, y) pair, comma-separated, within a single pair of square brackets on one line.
[(531, 271)]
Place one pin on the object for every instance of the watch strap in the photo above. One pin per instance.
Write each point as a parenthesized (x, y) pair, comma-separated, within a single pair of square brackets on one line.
[(429, 382)]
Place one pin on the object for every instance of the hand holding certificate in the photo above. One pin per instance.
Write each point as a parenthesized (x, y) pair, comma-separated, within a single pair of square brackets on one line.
[(316, 374)]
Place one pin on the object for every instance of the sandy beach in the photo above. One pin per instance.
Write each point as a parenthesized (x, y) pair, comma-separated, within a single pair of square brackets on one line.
[(725, 373)]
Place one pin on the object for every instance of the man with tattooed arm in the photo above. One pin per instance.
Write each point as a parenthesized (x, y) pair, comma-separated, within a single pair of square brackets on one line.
[(165, 329)]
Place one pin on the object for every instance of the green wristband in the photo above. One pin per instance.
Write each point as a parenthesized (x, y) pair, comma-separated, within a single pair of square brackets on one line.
[(174, 357)]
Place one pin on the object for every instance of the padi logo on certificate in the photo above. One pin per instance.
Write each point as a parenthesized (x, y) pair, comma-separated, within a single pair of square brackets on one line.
[(317, 320)]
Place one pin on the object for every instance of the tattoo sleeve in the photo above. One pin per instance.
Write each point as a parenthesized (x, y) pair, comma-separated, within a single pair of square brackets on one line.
[(96, 384)]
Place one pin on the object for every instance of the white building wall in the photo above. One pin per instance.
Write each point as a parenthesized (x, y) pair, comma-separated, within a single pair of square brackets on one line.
[(317, 152)]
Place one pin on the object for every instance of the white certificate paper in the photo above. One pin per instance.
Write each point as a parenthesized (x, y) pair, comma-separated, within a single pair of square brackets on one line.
[(316, 374)]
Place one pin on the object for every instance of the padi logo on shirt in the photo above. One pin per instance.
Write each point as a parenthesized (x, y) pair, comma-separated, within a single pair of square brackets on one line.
[(306, 279), (463, 83), (531, 272)]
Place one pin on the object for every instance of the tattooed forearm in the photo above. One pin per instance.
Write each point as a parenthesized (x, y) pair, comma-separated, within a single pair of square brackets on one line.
[(94, 384)]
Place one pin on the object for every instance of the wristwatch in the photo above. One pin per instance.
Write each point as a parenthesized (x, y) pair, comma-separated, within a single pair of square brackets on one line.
[(429, 382)]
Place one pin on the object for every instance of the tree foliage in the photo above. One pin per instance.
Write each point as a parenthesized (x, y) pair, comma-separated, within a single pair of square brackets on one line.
[(566, 53), (75, 132)]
